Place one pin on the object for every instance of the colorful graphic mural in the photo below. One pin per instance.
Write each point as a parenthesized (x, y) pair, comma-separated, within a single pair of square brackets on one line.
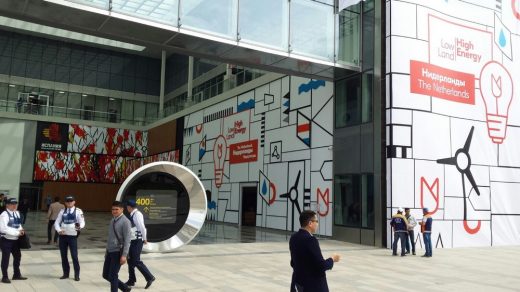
[(453, 118), (263, 138)]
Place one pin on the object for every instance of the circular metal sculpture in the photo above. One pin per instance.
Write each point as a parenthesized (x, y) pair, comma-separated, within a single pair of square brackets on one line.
[(172, 200)]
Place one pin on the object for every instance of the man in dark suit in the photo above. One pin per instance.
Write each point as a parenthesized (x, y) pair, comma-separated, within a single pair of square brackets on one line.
[(307, 262)]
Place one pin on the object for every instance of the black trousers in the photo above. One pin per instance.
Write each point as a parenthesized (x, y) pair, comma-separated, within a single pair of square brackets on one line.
[(67, 241), (111, 268), (134, 261), (50, 227), (9, 247)]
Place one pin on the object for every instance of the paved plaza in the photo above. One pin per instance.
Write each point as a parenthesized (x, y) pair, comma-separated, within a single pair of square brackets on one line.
[(227, 258)]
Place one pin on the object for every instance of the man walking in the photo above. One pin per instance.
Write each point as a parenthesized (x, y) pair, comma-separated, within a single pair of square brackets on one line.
[(118, 245), (52, 214), (426, 229), (136, 246), (400, 226), (11, 228), (68, 224), (307, 262), (411, 236)]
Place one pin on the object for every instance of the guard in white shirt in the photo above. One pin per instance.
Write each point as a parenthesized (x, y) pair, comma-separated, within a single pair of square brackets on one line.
[(136, 246), (68, 224), (11, 228)]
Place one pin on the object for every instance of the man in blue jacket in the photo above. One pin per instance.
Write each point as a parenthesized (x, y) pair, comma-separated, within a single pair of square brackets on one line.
[(400, 225), (307, 262)]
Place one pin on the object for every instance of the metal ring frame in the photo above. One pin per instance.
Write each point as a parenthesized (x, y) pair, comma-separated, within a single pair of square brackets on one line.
[(196, 195)]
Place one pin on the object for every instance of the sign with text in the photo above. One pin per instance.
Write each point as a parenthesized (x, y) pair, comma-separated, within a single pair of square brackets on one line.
[(157, 206), (440, 82), (52, 136), (243, 152), (236, 127)]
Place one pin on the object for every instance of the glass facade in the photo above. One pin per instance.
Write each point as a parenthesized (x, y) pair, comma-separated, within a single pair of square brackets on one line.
[(281, 25), (354, 200), (50, 68)]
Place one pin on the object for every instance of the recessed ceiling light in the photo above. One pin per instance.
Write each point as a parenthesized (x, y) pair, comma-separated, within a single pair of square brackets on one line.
[(12, 85), (62, 92), (84, 95), (111, 98)]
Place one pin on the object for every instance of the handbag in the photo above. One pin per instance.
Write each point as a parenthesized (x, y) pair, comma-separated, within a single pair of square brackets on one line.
[(24, 242)]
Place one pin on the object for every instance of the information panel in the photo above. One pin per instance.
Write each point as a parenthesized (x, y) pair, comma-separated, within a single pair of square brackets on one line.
[(158, 206)]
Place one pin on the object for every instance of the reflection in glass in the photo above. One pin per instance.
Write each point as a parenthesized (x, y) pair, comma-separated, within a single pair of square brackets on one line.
[(211, 16), (347, 207), (354, 200), (348, 98), (312, 29), (165, 11), (366, 96), (349, 36), (264, 22), (103, 4)]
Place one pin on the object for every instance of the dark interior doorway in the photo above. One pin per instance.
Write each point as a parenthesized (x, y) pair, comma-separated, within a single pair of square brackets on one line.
[(249, 195)]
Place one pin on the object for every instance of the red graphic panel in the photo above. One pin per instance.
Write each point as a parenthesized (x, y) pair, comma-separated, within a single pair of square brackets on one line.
[(441, 82), (471, 230), (516, 8), (325, 200), (433, 191), (243, 152)]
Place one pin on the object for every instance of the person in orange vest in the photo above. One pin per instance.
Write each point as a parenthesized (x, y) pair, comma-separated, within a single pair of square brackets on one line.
[(400, 225), (426, 229)]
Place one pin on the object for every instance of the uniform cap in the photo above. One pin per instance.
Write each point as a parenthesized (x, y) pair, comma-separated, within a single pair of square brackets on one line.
[(69, 199), (425, 210), (12, 201), (400, 210), (131, 203)]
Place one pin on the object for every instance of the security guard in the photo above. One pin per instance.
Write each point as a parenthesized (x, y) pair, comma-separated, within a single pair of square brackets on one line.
[(136, 246), (11, 229), (68, 224)]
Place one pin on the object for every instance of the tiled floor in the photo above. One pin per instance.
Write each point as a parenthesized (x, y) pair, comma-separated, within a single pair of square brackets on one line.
[(231, 265)]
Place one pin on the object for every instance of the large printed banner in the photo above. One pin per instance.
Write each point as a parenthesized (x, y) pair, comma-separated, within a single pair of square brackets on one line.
[(454, 118), (51, 136), (84, 167)]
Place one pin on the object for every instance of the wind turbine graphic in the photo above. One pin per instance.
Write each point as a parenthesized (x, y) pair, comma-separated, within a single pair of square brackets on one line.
[(462, 160), (292, 195)]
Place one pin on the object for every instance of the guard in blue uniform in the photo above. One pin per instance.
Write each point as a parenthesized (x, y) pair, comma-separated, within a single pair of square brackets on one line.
[(68, 224), (400, 225), (136, 246), (11, 228)]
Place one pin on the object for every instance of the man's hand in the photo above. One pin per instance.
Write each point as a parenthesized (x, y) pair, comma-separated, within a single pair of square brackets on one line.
[(336, 257), (62, 232), (122, 260), (145, 242), (22, 232)]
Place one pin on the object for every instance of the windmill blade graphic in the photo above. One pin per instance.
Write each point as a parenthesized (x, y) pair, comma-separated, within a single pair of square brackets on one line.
[(449, 160), (468, 140)]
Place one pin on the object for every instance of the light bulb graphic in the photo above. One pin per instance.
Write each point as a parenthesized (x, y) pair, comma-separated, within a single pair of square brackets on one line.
[(496, 88), (219, 158)]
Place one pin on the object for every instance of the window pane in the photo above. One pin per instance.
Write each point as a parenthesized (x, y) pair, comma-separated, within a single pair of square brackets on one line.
[(367, 198), (312, 29), (74, 105), (59, 103), (139, 112), (366, 101), (348, 97), (212, 16), (264, 22), (164, 11), (101, 108), (368, 39), (348, 37), (347, 207)]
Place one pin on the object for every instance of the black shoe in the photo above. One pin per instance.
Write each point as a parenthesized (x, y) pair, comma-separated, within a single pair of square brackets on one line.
[(413, 253), (128, 289), (19, 278), (424, 256), (64, 277), (76, 278), (149, 283), (403, 255), (407, 252), (6, 280), (130, 283), (394, 254)]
